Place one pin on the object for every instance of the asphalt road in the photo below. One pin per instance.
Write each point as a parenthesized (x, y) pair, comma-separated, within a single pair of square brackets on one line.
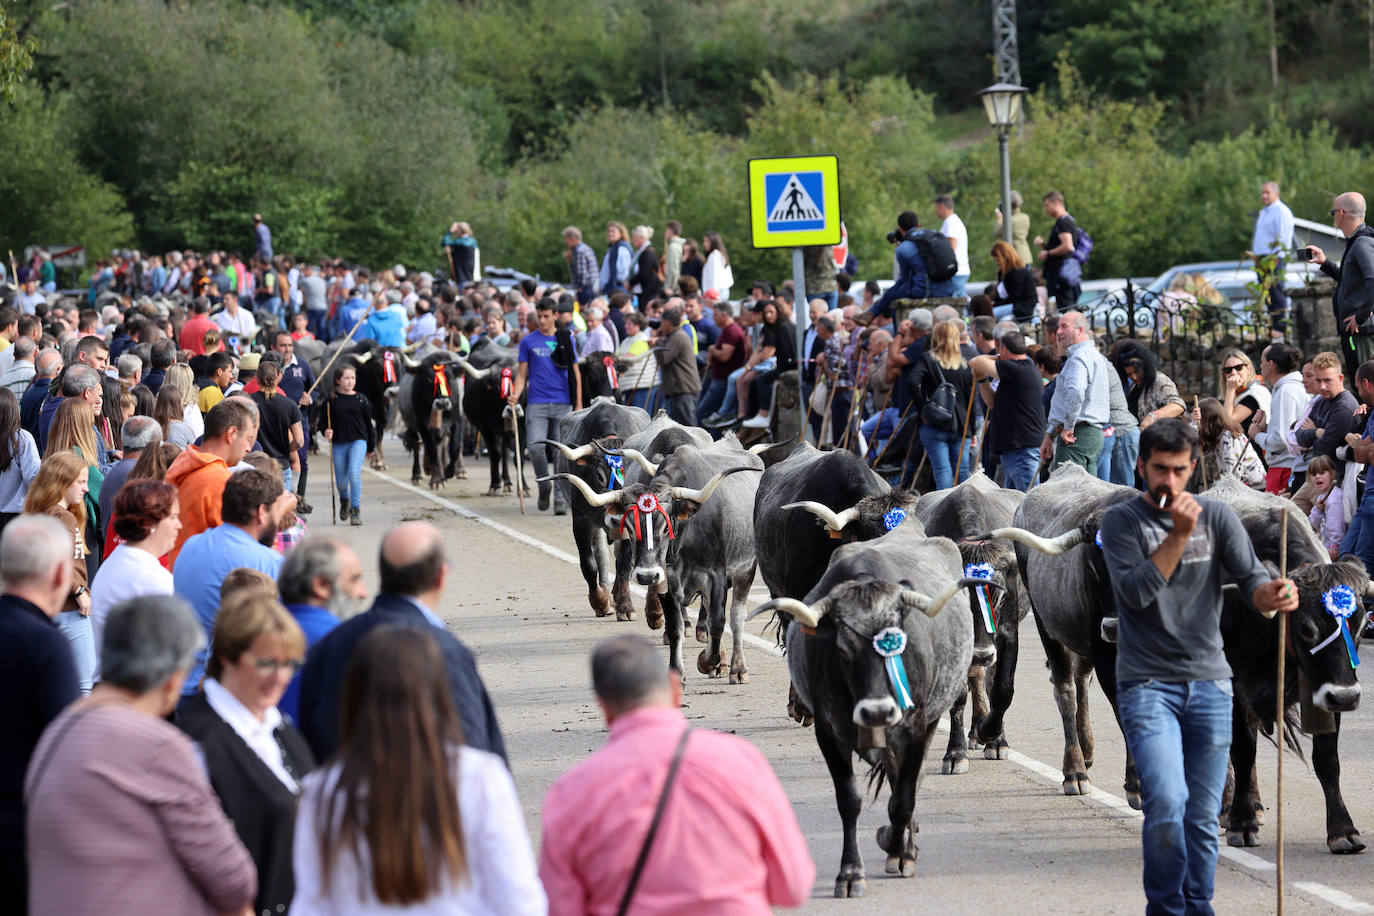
[(1001, 837)]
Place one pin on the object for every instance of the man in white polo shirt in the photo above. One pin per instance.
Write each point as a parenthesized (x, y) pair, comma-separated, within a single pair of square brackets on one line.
[(952, 228)]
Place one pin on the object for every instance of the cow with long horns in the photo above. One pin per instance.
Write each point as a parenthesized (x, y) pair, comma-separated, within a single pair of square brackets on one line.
[(428, 402), (871, 653), (490, 371), (691, 535)]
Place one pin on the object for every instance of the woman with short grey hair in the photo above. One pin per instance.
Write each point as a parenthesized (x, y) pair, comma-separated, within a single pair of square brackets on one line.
[(119, 797)]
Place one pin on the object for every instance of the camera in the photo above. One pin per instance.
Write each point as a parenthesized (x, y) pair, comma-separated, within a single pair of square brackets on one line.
[(1302, 254), (895, 236), (655, 322)]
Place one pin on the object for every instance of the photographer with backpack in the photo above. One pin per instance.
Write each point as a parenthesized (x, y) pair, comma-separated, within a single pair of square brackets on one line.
[(1064, 253), (926, 265)]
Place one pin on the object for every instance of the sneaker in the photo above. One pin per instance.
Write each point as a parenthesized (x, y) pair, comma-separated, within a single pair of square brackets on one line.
[(1109, 630), (355, 518), (758, 421), (303, 507), (544, 497), (718, 419)]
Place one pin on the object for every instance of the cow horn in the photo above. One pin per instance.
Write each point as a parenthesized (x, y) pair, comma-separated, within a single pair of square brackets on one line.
[(932, 606), (473, 370), (1052, 546), (700, 496), (410, 363), (599, 500), (1369, 591), (765, 446), (638, 457), (833, 520), (572, 454), (808, 615), (362, 360)]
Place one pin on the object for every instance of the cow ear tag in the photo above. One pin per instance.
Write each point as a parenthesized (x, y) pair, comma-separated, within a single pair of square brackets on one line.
[(836, 535)]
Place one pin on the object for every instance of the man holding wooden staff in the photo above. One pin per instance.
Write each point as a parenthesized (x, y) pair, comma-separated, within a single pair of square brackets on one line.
[(1168, 554)]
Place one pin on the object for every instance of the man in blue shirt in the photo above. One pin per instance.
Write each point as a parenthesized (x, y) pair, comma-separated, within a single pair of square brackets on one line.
[(321, 583), (548, 366), (1273, 235), (251, 513), (913, 281)]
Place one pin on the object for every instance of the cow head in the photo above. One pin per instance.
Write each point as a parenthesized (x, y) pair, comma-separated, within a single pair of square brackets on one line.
[(867, 621), (869, 518), (1318, 643), (650, 515), (600, 467)]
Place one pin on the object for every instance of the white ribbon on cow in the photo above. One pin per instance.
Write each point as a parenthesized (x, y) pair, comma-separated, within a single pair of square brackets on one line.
[(984, 572), (890, 643), (1340, 603)]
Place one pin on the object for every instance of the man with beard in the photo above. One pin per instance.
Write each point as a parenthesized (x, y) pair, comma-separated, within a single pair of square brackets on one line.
[(321, 583), (251, 513)]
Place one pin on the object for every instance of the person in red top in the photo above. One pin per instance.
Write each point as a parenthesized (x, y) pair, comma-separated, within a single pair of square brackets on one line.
[(727, 842), (192, 335)]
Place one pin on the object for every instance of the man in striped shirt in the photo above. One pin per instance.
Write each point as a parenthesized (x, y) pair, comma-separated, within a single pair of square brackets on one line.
[(582, 269)]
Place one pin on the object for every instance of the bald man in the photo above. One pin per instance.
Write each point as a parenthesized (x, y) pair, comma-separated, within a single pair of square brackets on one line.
[(1353, 303), (414, 571)]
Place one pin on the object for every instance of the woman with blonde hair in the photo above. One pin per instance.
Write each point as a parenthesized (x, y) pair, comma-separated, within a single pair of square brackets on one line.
[(59, 490), (717, 274), (946, 431), (183, 379), (73, 430), (168, 412), (1016, 297), (1242, 391)]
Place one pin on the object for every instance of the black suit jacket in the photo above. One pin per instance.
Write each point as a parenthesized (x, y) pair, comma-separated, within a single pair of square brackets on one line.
[(323, 677), (261, 807)]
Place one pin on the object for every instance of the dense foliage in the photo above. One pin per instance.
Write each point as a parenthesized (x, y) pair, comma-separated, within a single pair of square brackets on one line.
[(363, 127)]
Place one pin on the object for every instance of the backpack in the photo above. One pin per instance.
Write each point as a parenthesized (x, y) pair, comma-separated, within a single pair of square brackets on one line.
[(938, 254), (941, 409), (1082, 246)]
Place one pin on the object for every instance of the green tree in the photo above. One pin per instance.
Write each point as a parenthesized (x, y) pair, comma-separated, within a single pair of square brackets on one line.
[(16, 57)]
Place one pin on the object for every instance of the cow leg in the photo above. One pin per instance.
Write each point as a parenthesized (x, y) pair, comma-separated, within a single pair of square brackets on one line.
[(1242, 828), (709, 660), (703, 630), (797, 709), (1341, 836), (991, 731), (588, 553), (672, 612), (415, 458), (494, 456), (1062, 672), (850, 882), (739, 598), (956, 752), (620, 591), (1105, 654), (978, 694), (898, 838)]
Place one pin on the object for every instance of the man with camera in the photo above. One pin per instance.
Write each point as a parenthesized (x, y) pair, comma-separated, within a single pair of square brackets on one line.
[(1274, 236), (914, 280), (1353, 302)]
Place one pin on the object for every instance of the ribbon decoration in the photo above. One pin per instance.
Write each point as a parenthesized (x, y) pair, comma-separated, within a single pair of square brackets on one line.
[(985, 572), (894, 517), (611, 376), (1340, 603), (440, 381), (505, 383), (617, 466), (647, 504), (890, 643), (388, 367), (1097, 539)]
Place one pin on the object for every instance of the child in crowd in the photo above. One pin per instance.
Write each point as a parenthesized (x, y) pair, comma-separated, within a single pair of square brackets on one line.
[(352, 436), (1328, 509)]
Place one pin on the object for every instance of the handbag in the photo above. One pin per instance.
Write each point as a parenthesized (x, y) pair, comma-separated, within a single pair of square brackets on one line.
[(820, 395), (653, 824)]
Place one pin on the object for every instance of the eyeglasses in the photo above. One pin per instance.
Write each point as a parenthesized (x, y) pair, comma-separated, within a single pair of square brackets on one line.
[(1335, 210), (273, 665), (1227, 370)]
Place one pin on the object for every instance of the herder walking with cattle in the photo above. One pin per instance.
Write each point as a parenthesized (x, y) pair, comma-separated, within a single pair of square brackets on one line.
[(548, 365), (1167, 553)]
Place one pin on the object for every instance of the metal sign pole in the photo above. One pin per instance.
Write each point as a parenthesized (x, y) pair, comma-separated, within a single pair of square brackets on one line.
[(800, 313)]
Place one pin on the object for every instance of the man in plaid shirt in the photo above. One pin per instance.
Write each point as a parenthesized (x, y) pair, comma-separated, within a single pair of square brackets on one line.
[(582, 269), (835, 365)]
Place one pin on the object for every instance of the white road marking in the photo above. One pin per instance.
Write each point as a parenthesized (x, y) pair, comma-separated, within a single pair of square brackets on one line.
[(1049, 774)]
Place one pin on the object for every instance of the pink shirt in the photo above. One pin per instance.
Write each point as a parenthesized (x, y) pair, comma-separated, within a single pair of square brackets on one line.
[(728, 842)]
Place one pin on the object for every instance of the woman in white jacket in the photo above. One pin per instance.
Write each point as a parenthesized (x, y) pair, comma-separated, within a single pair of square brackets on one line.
[(717, 274), (1280, 366)]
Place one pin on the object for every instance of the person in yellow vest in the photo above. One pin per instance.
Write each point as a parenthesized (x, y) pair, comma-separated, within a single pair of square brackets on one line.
[(639, 370)]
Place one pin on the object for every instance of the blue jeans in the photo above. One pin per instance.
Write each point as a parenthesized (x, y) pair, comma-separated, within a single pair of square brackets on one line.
[(960, 283), (712, 393), (730, 403), (1104, 458), (1125, 450), (1018, 468), (1359, 537), (348, 470), (639, 397), (314, 322), (77, 629), (943, 449), (1180, 735)]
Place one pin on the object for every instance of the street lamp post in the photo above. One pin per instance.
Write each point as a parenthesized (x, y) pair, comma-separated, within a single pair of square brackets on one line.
[(1002, 102)]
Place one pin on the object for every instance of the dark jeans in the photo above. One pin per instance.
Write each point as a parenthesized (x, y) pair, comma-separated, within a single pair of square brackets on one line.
[(682, 408), (1065, 295), (712, 394), (761, 391), (840, 406), (1359, 537), (1278, 300)]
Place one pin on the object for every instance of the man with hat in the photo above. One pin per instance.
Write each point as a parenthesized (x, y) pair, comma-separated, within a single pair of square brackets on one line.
[(548, 366)]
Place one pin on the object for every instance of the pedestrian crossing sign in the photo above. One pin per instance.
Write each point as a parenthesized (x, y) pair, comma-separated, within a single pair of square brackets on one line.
[(794, 201)]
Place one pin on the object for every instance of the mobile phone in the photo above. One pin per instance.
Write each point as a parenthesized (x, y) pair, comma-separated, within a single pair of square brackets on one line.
[(1302, 254)]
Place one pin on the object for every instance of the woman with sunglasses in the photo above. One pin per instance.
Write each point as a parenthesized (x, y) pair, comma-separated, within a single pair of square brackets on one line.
[(254, 757), (1242, 391)]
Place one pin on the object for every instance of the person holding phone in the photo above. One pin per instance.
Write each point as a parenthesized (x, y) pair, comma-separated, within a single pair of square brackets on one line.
[(1353, 302)]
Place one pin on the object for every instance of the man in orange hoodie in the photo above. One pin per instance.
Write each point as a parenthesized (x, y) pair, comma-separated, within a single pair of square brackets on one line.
[(200, 473)]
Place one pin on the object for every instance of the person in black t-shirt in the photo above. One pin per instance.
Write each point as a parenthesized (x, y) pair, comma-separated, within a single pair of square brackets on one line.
[(280, 430), (351, 437), (1015, 427), (1062, 279)]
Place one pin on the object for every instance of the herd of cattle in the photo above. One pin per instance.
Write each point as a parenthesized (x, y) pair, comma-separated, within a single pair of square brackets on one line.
[(847, 560)]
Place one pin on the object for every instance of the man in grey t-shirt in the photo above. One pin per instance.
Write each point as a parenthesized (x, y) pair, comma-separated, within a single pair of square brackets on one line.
[(1167, 554)]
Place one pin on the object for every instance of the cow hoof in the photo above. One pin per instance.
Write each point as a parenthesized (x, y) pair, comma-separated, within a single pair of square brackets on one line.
[(494, 491), (739, 677), (954, 765), (707, 667), (702, 635), (1077, 784), (903, 866), (797, 709), (626, 614), (1259, 815), (655, 621), (851, 882), (1345, 844), (461, 473), (666, 640), (1243, 838), (996, 750), (600, 601), (415, 481), (1133, 799)]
